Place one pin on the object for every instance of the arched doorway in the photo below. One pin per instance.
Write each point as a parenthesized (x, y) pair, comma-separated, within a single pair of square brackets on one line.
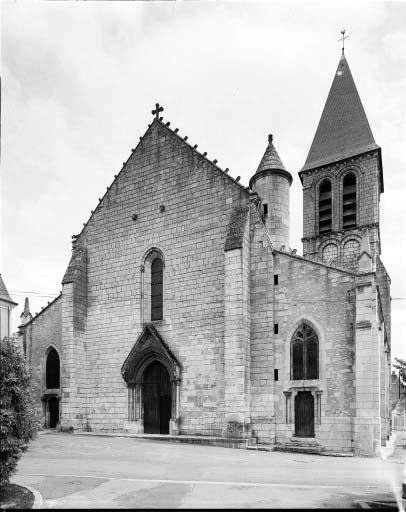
[(53, 408), (157, 399), (51, 394), (304, 414)]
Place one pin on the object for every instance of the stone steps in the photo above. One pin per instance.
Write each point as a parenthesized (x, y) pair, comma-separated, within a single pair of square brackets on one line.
[(303, 441), (297, 448), (226, 442)]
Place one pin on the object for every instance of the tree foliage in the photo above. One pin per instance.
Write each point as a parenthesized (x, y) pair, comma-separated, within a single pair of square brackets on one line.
[(19, 419), (400, 365)]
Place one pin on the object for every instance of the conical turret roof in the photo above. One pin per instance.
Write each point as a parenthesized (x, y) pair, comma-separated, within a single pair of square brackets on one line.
[(271, 159), (271, 162), (343, 130), (4, 295)]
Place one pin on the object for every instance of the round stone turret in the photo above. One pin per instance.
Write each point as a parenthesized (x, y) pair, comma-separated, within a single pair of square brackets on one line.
[(271, 182)]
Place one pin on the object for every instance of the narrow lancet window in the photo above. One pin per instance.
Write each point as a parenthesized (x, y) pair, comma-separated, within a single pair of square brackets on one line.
[(304, 354), (349, 201), (52, 377), (325, 207), (157, 289)]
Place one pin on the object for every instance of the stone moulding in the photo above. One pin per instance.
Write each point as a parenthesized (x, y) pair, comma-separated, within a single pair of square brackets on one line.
[(149, 345), (364, 324)]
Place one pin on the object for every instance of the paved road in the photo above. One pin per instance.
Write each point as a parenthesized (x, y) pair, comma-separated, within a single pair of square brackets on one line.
[(88, 471)]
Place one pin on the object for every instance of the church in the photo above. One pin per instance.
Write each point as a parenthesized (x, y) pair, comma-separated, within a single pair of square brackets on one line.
[(184, 311)]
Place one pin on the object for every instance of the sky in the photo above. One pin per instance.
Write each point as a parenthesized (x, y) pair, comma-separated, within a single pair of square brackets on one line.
[(79, 81)]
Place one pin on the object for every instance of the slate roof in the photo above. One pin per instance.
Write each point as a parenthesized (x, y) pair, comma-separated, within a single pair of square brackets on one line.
[(343, 130), (270, 162), (4, 295), (271, 159), (42, 311)]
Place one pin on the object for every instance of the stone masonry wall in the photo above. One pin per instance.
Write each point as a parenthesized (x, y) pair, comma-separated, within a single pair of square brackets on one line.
[(44, 331), (183, 206), (262, 346), (324, 298), (273, 189)]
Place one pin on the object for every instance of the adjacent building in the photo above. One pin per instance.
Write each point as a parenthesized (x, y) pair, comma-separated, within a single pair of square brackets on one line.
[(6, 305)]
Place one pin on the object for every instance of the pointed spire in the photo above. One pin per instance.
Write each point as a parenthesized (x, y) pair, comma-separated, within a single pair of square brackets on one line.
[(4, 295), (26, 311), (343, 130), (271, 159), (271, 163)]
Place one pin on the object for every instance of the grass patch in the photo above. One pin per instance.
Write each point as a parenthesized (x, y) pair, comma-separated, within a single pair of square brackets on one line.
[(15, 496)]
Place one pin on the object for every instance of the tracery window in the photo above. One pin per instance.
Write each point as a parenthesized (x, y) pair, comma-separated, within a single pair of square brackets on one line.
[(157, 289), (304, 354), (325, 207), (349, 201)]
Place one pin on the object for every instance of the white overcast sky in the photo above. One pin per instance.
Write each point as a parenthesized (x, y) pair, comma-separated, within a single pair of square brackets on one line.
[(79, 81)]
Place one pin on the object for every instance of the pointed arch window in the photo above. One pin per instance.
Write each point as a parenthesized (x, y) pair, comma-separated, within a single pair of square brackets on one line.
[(53, 370), (304, 354), (349, 201), (325, 207), (157, 289)]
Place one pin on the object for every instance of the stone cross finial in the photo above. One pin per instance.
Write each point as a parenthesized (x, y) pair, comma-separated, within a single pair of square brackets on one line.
[(158, 109), (270, 137), (343, 38)]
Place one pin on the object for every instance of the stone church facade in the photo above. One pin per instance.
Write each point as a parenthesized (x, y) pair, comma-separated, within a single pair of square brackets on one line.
[(184, 310)]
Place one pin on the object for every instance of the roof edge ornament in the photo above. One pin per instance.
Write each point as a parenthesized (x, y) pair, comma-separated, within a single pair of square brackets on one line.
[(342, 39), (158, 108)]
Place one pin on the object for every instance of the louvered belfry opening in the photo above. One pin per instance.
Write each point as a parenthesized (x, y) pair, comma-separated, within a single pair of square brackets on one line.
[(157, 289), (304, 354), (52, 370), (349, 201), (325, 207)]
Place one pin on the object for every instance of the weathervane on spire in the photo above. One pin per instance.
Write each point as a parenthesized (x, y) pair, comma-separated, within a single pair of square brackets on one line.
[(157, 110), (343, 38)]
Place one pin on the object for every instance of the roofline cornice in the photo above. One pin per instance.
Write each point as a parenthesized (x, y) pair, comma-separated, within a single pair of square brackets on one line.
[(268, 172), (9, 301), (340, 161), (40, 313), (173, 132)]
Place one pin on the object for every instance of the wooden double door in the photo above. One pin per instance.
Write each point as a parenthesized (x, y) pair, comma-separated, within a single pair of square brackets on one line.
[(157, 399), (304, 414)]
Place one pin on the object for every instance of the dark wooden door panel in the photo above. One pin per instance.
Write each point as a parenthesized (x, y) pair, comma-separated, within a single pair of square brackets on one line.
[(53, 406), (165, 413), (304, 414), (151, 409), (157, 399)]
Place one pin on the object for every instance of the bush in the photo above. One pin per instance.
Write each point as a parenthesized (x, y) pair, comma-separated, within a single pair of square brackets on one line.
[(19, 421)]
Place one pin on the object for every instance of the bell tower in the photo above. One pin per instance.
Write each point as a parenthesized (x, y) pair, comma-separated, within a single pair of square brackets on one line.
[(342, 180)]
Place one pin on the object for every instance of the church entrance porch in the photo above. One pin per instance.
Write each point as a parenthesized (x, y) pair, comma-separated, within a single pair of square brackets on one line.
[(157, 399), (152, 374), (304, 414)]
